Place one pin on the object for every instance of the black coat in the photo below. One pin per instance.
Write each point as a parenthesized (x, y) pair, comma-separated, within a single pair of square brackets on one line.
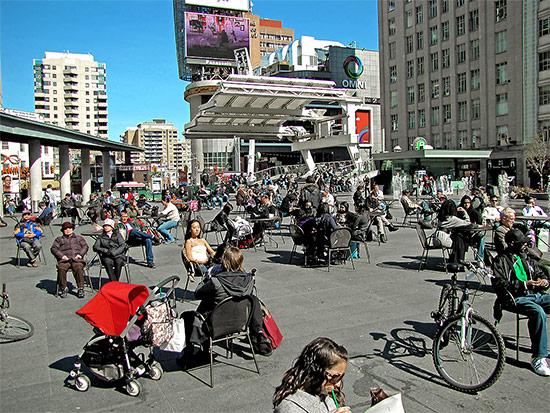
[(112, 247)]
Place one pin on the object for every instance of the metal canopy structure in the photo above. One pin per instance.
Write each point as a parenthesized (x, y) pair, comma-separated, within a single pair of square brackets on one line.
[(435, 154), (256, 107), (21, 130)]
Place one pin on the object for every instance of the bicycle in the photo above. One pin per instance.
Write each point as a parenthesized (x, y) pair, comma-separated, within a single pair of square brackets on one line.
[(468, 350), (12, 328)]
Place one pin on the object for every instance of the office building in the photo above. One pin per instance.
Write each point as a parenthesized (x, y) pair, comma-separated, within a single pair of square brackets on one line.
[(466, 77), (70, 91), (182, 155)]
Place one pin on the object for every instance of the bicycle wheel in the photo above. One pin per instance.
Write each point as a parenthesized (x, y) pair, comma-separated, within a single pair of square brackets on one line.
[(14, 328), (474, 365)]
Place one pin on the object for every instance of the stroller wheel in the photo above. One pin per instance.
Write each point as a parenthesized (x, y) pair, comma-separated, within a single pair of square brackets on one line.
[(156, 371), (82, 382), (133, 388)]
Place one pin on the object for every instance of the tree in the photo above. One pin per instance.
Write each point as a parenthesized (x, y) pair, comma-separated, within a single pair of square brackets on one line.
[(536, 154)]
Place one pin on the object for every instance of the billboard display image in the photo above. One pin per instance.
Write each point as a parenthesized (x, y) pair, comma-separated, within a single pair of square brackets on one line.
[(221, 4), (214, 36)]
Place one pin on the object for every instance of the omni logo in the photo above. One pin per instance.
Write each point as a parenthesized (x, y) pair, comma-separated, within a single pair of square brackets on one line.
[(353, 66)]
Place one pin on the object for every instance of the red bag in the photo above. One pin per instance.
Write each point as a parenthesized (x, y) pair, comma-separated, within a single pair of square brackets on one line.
[(271, 330)]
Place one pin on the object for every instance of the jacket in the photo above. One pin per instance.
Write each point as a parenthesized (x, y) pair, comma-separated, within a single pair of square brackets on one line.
[(112, 247), (301, 401), (25, 227), (221, 286), (310, 192), (70, 246)]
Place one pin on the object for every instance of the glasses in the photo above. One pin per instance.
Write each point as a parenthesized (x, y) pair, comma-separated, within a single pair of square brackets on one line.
[(334, 378), (467, 202), (494, 200)]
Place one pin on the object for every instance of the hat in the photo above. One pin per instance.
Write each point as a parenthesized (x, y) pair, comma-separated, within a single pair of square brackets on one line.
[(515, 236), (66, 225), (25, 212), (109, 222)]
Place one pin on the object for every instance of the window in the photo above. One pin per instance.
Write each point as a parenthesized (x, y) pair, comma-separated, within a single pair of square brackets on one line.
[(408, 18), (393, 98), (5, 145), (421, 92), (460, 25), (409, 44), (502, 71), (462, 111), (432, 8), (444, 6), (476, 109), (433, 35), (447, 140), (446, 86), (421, 118), (476, 137), (500, 10), (474, 79), (544, 26), (419, 15), (435, 116), (461, 82), (544, 95), (474, 49), (502, 104), (391, 5), (502, 135), (473, 21), (445, 31), (445, 58), (459, 3), (500, 42), (411, 119), (391, 26), (392, 50), (410, 68), (410, 94), (394, 122), (461, 53), (446, 113), (462, 139), (544, 61), (436, 141), (393, 74), (86, 69), (419, 40), (435, 89), (434, 61), (420, 66)]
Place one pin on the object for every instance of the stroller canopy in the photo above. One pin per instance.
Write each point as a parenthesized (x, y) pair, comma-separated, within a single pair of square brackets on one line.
[(113, 306)]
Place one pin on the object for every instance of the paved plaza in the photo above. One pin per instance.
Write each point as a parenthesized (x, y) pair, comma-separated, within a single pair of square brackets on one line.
[(380, 312)]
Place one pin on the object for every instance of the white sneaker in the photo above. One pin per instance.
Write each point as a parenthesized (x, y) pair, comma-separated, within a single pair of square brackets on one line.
[(540, 366)]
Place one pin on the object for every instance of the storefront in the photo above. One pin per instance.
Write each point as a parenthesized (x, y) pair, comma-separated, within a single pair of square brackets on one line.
[(497, 166)]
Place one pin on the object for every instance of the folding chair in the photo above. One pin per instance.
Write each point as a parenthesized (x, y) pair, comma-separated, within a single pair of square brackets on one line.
[(340, 240), (298, 238), (409, 213), (426, 247)]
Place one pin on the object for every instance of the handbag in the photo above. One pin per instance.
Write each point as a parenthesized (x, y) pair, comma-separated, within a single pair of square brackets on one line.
[(440, 239), (177, 342), (271, 330)]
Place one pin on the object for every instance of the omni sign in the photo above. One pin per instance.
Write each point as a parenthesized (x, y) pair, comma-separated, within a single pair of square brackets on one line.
[(353, 67)]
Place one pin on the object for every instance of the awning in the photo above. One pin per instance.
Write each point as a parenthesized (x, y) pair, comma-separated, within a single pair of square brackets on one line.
[(434, 154)]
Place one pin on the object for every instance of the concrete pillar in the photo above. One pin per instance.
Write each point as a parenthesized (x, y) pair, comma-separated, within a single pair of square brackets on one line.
[(106, 171), (64, 170), (251, 155), (197, 160), (85, 172), (35, 172), (308, 158)]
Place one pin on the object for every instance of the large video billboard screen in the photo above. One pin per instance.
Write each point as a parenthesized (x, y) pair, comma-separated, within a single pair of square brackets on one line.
[(213, 36), (221, 4)]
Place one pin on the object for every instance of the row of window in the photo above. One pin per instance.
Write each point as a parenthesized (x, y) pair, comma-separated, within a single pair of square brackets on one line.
[(275, 37)]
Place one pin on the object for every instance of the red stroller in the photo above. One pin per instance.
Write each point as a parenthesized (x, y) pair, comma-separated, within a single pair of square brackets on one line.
[(124, 317)]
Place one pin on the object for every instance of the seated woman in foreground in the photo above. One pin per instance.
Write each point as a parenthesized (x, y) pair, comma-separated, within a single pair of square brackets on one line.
[(197, 250)]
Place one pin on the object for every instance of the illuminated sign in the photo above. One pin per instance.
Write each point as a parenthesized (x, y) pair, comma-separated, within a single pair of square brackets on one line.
[(221, 4), (353, 66), (419, 143), (212, 36)]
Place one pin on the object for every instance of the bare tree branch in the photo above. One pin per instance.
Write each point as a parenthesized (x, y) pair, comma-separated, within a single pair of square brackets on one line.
[(536, 154)]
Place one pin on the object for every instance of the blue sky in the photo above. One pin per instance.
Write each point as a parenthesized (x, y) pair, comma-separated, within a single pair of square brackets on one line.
[(135, 38)]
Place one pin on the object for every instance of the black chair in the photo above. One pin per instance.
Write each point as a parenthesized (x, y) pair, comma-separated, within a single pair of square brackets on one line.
[(299, 239), (229, 320), (193, 270), (340, 240), (87, 278), (409, 213), (47, 222), (215, 227), (427, 246)]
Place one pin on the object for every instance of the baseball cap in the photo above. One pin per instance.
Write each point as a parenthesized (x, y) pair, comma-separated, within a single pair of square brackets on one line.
[(109, 222), (515, 236)]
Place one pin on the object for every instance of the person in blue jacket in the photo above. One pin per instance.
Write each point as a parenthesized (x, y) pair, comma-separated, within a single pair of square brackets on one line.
[(27, 234)]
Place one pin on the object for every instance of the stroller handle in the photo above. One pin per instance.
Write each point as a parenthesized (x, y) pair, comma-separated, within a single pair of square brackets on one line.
[(174, 279)]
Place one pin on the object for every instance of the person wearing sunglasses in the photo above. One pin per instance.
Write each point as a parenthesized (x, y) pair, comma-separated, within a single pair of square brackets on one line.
[(491, 213), (314, 382)]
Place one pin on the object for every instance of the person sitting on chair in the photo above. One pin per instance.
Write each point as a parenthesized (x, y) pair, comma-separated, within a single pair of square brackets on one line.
[(449, 221), (68, 208), (222, 220), (69, 251), (111, 247), (95, 209), (520, 286), (372, 204), (27, 234), (44, 211), (131, 210), (197, 250), (137, 235), (171, 215)]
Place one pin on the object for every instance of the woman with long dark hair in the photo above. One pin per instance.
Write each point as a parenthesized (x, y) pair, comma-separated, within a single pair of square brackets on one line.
[(314, 382), (196, 249)]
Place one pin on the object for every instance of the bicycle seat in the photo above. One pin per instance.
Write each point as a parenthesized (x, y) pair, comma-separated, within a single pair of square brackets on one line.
[(454, 267)]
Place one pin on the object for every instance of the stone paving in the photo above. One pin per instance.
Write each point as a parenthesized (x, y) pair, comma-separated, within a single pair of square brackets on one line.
[(380, 312)]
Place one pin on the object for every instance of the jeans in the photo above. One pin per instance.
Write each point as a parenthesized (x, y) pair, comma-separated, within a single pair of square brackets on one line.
[(535, 307), (163, 229), (138, 238)]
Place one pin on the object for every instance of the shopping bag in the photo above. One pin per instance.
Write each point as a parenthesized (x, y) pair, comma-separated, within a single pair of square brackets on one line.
[(177, 342), (271, 330)]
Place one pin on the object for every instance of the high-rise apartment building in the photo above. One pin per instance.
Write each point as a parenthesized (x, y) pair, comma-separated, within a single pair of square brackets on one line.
[(466, 75), (182, 154), (266, 36), (70, 91), (158, 138)]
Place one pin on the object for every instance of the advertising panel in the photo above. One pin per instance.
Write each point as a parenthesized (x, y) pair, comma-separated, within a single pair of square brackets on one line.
[(221, 4), (214, 36), (362, 127)]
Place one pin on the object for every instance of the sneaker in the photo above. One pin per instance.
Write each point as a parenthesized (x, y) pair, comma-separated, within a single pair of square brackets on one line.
[(81, 293), (151, 265), (62, 293), (261, 345), (540, 366), (170, 241), (392, 228)]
